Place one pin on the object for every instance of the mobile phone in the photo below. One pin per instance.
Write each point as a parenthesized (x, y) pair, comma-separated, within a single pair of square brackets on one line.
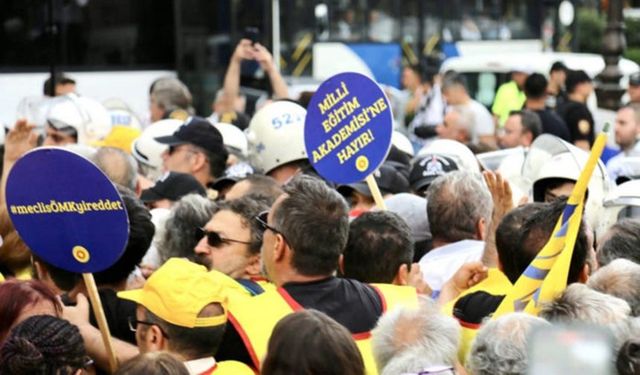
[(571, 350), (252, 33)]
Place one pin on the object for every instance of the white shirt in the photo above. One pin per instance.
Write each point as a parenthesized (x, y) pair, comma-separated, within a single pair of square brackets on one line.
[(430, 112), (483, 121), (199, 366), (617, 167), (440, 264)]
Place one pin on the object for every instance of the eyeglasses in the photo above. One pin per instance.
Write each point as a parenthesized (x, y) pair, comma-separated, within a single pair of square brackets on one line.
[(214, 239), (262, 220), (133, 325)]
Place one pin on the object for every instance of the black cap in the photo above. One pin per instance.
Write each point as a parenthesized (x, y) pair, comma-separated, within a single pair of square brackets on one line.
[(197, 131), (231, 175), (388, 178), (634, 79), (558, 65), (428, 168), (172, 186)]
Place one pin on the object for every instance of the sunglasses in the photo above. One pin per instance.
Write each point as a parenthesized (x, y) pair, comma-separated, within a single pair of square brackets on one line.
[(262, 221), (214, 239)]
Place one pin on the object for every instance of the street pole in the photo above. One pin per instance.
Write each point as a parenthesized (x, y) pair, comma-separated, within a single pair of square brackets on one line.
[(275, 24), (609, 90), (53, 48)]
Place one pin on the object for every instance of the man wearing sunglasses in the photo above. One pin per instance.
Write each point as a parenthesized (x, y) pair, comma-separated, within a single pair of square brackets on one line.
[(230, 242), (304, 236), (195, 148)]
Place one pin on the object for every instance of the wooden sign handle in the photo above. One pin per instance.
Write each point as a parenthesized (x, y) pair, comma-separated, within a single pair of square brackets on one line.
[(98, 311), (375, 191)]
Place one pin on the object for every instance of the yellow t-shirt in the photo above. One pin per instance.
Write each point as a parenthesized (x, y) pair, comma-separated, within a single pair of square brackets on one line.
[(508, 98)]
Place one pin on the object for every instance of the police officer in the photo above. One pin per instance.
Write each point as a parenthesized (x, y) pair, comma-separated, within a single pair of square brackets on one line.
[(574, 111)]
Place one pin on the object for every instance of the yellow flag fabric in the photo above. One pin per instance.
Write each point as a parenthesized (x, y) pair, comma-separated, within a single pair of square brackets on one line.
[(546, 276)]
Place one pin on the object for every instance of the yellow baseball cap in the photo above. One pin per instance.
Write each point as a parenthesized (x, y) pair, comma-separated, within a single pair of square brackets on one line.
[(121, 137), (179, 290)]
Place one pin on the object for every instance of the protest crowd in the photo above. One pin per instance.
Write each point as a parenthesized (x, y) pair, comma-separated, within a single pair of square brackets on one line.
[(243, 258)]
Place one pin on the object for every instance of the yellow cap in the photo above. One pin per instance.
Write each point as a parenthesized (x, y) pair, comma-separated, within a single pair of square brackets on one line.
[(120, 137), (178, 291)]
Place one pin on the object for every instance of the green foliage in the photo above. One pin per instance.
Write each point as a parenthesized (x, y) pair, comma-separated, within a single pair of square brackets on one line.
[(632, 32), (633, 54), (591, 26)]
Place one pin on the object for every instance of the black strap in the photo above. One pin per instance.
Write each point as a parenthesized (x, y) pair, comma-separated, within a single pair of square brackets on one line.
[(251, 286)]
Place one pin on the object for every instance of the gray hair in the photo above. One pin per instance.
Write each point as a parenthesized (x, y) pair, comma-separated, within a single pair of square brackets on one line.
[(190, 212), (625, 330), (580, 303), (457, 201), (172, 94), (409, 340), (119, 166), (501, 345), (621, 241), (466, 118), (530, 122), (620, 278)]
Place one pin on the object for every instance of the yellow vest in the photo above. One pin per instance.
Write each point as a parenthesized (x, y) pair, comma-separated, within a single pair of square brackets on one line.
[(495, 284), (229, 368), (508, 98), (275, 305), (1, 278)]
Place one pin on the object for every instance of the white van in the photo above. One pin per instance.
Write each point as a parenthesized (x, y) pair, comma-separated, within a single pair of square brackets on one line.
[(486, 72)]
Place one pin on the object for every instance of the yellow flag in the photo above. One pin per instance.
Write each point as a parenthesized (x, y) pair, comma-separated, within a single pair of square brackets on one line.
[(546, 276)]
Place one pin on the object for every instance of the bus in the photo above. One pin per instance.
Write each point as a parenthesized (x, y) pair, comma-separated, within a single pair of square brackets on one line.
[(116, 48)]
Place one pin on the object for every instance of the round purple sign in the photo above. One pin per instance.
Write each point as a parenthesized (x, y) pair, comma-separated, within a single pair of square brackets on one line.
[(66, 210), (348, 128)]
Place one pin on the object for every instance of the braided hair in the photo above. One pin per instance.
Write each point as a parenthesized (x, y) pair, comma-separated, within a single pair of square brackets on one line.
[(43, 345)]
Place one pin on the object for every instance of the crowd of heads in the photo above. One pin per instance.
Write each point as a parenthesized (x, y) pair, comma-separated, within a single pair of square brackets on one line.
[(227, 210)]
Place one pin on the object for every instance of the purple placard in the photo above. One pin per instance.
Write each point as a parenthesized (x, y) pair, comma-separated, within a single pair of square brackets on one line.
[(348, 128), (66, 210)]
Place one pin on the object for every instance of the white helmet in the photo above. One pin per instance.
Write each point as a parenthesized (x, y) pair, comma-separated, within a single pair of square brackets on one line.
[(402, 143), (147, 151), (86, 116), (121, 114), (550, 157), (34, 109), (622, 202), (460, 153), (233, 138), (276, 135)]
